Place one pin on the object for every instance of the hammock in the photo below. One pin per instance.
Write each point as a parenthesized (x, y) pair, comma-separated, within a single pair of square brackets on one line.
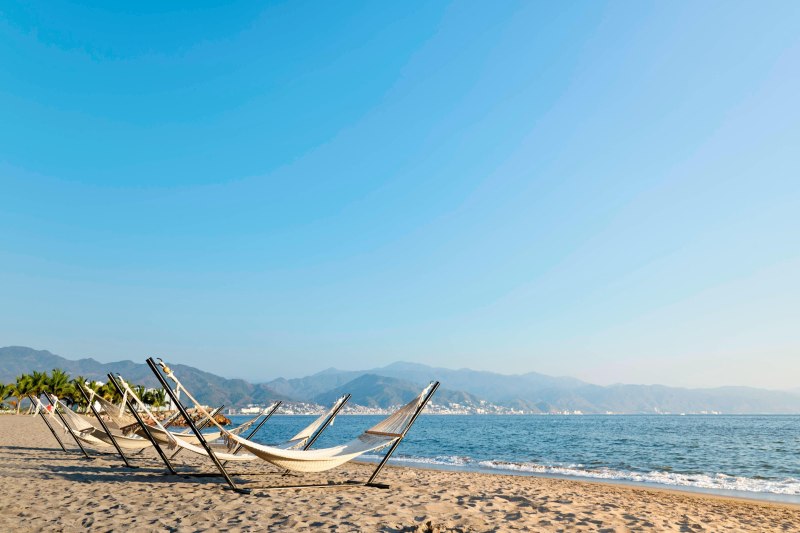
[(84, 429), (115, 412), (387, 432), (295, 442), (379, 436), (165, 437), (190, 442), (129, 424)]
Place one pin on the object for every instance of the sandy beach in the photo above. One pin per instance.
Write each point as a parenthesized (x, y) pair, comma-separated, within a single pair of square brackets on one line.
[(44, 489)]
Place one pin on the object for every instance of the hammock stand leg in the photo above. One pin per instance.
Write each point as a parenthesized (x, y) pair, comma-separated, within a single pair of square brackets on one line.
[(255, 430), (200, 427), (371, 481), (194, 429), (53, 431), (105, 427), (63, 421), (141, 423)]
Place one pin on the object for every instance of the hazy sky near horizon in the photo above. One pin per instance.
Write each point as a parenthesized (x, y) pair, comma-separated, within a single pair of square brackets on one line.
[(609, 191)]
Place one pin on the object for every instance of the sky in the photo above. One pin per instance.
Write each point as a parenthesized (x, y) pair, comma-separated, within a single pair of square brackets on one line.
[(609, 191)]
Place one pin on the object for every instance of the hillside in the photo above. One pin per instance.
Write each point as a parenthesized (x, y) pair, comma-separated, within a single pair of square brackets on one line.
[(399, 382)]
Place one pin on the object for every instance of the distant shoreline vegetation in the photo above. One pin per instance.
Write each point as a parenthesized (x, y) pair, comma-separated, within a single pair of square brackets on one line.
[(58, 383)]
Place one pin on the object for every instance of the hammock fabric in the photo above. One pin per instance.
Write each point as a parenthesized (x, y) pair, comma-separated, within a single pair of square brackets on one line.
[(84, 429), (116, 412), (189, 441), (128, 422)]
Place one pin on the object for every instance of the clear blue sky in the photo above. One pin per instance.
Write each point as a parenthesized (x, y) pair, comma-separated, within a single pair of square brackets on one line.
[(607, 191)]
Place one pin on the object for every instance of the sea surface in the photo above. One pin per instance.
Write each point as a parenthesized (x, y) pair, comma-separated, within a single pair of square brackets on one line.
[(740, 455)]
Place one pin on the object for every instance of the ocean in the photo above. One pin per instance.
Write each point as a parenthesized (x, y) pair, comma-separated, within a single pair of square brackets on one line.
[(739, 455)]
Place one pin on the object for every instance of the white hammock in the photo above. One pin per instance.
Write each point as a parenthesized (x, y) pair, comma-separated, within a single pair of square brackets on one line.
[(125, 420), (190, 442), (85, 430), (115, 412), (385, 433), (161, 434), (295, 442), (377, 437)]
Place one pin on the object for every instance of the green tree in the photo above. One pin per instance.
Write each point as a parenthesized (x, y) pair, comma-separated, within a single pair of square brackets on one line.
[(22, 387), (39, 383), (59, 384), (140, 391), (79, 383), (158, 398), (109, 392), (6, 390)]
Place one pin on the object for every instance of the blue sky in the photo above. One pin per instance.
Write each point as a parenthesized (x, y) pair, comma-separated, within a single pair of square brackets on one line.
[(607, 191)]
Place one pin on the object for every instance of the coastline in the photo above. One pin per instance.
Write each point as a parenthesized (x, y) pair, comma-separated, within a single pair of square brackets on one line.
[(42, 488), (770, 497)]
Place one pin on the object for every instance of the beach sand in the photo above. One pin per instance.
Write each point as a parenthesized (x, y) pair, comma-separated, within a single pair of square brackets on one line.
[(44, 489)]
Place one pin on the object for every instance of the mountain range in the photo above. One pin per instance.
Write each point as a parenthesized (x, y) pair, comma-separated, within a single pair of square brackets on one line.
[(397, 383)]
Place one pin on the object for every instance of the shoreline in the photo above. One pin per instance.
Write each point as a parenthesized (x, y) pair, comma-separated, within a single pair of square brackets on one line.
[(774, 497), (100, 494), (769, 497)]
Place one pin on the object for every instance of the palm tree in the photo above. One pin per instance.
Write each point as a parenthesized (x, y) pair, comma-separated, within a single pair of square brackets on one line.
[(147, 398), (5, 391), (140, 391), (22, 387), (59, 385), (158, 398), (40, 382), (75, 392), (109, 392)]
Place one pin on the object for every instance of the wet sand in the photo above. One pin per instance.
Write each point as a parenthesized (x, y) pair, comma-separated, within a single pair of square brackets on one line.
[(44, 489)]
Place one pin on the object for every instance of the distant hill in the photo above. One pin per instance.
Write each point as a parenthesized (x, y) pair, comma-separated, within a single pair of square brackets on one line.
[(398, 382), (308, 387), (372, 390)]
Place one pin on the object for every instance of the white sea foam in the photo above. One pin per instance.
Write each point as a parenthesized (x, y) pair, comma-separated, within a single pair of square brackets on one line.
[(440, 460), (788, 486)]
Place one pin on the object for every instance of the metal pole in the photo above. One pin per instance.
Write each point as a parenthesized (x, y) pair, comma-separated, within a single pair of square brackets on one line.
[(194, 429), (200, 427), (138, 418), (370, 481), (326, 424), (316, 435), (171, 420), (63, 421), (105, 427), (250, 435), (53, 431)]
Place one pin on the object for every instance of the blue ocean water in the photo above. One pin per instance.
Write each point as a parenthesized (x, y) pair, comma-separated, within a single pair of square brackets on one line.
[(755, 456)]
